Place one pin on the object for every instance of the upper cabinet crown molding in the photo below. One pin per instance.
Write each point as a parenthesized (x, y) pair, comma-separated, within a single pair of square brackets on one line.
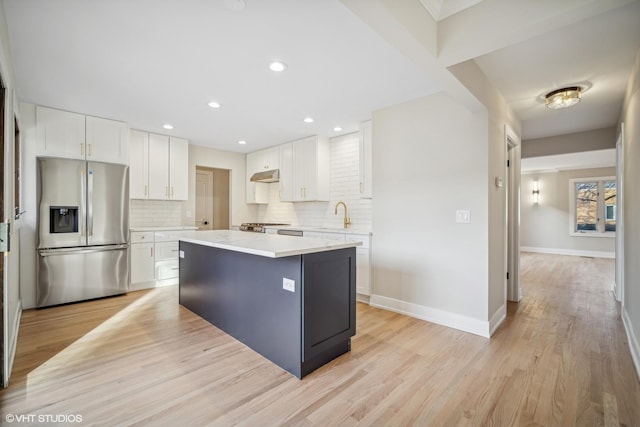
[(76, 136)]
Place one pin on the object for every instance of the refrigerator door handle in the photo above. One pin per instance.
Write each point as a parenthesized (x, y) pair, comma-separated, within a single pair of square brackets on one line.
[(90, 202), (93, 249), (83, 203)]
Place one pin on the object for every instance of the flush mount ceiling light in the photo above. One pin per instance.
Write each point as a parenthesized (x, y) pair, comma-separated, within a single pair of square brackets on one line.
[(562, 98), (277, 66)]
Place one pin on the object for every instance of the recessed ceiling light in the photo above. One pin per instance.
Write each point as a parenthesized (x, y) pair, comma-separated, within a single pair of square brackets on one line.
[(167, 126), (214, 104), (277, 66), (337, 129), (308, 120), (242, 142)]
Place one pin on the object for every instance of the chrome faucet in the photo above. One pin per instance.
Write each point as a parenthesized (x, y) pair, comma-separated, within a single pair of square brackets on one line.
[(347, 221)]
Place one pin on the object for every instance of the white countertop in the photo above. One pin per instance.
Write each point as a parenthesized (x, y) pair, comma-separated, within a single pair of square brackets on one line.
[(267, 245), (165, 228)]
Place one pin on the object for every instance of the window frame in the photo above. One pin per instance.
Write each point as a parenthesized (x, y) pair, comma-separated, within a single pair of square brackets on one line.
[(600, 230)]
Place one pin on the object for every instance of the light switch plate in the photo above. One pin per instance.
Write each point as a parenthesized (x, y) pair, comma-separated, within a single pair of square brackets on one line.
[(288, 284), (463, 217)]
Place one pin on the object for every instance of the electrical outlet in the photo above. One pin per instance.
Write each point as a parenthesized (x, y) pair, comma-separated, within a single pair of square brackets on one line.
[(181, 254), (288, 284), (463, 217)]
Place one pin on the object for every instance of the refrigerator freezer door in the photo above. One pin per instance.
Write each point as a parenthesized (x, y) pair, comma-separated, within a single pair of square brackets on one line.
[(60, 195), (69, 275), (107, 203)]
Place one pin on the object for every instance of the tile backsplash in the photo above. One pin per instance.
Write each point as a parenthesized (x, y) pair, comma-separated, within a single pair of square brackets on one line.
[(344, 186), (154, 213)]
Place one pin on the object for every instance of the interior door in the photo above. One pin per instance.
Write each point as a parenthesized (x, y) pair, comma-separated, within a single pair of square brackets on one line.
[(204, 199)]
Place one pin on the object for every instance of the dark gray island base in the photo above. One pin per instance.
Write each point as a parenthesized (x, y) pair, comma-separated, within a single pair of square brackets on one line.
[(300, 328)]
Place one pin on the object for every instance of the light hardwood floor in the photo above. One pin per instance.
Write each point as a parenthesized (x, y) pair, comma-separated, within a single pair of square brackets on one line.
[(560, 359)]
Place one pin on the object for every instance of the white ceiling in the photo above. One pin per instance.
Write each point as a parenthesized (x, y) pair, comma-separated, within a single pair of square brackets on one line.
[(151, 62)]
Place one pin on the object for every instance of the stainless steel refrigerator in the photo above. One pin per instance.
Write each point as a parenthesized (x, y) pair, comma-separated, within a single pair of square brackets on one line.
[(83, 224)]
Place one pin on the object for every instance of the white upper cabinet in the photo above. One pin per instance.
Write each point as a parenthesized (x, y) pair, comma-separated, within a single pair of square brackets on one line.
[(76, 136), (256, 192), (268, 159), (60, 133), (311, 169), (286, 172), (366, 176), (139, 168), (107, 140), (178, 169), (159, 167)]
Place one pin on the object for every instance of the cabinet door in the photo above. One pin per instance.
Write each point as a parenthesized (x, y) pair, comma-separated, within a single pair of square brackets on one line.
[(273, 158), (158, 167), (166, 251), (142, 263), (256, 192), (60, 133), (299, 169), (107, 140), (138, 165), (286, 173), (178, 169), (365, 160)]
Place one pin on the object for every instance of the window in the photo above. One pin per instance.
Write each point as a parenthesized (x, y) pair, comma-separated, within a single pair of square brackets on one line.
[(593, 206)]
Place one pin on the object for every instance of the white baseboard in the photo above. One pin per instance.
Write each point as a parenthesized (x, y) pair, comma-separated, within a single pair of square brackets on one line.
[(572, 252), (363, 298), (634, 346), (434, 315), (497, 319)]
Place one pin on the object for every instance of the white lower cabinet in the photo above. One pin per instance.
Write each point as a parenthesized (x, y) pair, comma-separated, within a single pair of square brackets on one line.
[(154, 259)]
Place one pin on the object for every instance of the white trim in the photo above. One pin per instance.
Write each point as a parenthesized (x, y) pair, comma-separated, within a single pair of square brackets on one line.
[(14, 344), (433, 315), (597, 234), (363, 298), (600, 206), (498, 317), (571, 252), (634, 346)]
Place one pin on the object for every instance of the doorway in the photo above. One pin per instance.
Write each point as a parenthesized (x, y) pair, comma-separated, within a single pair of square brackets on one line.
[(212, 198), (4, 321), (512, 145), (619, 287)]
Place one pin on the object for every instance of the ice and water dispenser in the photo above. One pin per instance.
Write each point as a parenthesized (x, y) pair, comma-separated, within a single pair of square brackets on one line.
[(63, 219)]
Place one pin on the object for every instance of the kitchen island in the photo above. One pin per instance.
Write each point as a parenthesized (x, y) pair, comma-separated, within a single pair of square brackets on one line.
[(291, 299)]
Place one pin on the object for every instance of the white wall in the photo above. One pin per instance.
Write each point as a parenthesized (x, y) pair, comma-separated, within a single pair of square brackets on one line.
[(545, 227), (344, 186), (236, 164), (592, 140), (430, 158), (631, 303), (11, 277)]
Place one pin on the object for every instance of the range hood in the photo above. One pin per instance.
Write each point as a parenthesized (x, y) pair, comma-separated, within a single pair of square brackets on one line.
[(266, 176)]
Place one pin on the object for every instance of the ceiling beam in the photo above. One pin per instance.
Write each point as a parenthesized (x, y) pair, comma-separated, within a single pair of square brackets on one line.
[(496, 24), (408, 26)]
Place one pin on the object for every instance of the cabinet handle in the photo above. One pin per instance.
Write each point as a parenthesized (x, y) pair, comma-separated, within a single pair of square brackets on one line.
[(361, 187), (90, 149), (151, 252), (145, 190), (166, 191), (82, 149), (171, 191)]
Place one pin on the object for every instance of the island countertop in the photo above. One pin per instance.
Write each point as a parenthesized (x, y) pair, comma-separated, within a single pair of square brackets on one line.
[(267, 245)]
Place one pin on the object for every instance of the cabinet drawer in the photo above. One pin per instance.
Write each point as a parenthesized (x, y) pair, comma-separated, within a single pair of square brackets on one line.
[(142, 237), (166, 251), (167, 269)]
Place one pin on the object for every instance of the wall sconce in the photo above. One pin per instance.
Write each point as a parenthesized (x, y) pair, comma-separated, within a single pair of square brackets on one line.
[(536, 192)]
